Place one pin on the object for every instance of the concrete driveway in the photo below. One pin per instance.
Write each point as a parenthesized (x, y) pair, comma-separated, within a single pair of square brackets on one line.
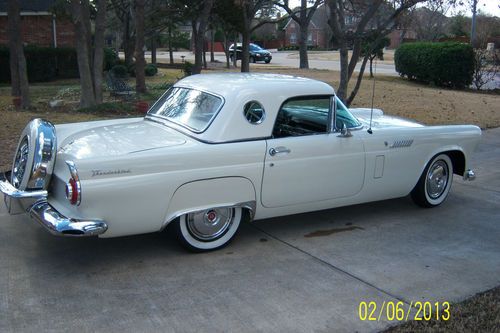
[(300, 273)]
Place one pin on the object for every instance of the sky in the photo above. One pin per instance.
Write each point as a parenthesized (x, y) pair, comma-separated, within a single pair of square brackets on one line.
[(490, 7)]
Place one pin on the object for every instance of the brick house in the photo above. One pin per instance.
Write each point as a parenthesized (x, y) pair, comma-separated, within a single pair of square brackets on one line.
[(319, 33), (39, 25)]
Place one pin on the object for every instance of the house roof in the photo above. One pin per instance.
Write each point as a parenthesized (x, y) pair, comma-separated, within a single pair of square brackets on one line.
[(30, 5), (319, 19)]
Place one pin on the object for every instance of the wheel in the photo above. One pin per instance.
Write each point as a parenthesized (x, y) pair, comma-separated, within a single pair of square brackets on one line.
[(434, 183), (268, 61), (208, 229), (252, 60)]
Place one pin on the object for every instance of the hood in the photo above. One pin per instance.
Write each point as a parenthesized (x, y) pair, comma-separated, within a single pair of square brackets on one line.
[(120, 139), (380, 120)]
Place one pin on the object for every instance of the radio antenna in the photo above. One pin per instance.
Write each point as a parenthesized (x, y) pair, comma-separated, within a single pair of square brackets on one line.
[(373, 96)]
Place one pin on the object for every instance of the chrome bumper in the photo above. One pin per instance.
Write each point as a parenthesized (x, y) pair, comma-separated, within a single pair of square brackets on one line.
[(469, 175), (35, 203)]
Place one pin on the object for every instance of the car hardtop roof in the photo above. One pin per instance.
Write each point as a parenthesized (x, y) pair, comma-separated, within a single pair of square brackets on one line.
[(226, 84)]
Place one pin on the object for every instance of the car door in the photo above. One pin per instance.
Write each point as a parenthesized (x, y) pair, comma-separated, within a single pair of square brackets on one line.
[(306, 161)]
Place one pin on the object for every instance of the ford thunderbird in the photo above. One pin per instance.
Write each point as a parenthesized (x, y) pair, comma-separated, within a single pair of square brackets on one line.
[(218, 149)]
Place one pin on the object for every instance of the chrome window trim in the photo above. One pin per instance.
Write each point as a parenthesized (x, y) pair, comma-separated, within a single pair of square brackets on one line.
[(223, 101), (355, 128)]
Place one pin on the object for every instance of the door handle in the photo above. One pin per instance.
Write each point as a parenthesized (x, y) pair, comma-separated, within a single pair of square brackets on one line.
[(279, 150)]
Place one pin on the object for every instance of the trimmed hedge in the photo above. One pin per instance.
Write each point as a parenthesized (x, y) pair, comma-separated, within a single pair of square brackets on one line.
[(48, 63), (449, 64)]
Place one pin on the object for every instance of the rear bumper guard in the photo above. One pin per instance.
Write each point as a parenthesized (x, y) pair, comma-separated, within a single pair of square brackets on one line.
[(35, 203)]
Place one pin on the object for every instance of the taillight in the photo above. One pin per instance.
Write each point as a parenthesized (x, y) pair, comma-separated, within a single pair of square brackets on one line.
[(73, 189)]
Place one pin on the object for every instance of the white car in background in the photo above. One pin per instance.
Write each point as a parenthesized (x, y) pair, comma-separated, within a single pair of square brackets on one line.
[(217, 149)]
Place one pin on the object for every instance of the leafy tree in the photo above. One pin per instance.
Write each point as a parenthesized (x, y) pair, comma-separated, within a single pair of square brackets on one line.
[(458, 25)]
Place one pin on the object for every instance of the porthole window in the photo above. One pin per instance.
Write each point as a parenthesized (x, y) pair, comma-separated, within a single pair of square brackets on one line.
[(254, 112)]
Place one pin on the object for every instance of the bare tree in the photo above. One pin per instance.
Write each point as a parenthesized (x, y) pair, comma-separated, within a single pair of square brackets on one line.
[(303, 19), (255, 13), (485, 67), (199, 14), (376, 17), (89, 49), (18, 72), (100, 27), (140, 62), (430, 22)]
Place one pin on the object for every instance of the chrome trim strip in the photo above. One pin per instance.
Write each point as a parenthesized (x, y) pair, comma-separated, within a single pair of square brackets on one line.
[(250, 205), (60, 225), (469, 175)]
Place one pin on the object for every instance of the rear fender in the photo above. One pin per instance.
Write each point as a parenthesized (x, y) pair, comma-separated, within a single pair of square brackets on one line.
[(211, 193)]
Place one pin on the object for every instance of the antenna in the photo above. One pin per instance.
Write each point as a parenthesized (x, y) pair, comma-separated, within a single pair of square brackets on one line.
[(373, 96)]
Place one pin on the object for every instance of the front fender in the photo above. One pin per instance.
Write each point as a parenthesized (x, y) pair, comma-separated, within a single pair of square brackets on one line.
[(210, 193)]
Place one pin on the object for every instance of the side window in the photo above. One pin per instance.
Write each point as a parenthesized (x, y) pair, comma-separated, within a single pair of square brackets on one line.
[(343, 116), (254, 112), (302, 116)]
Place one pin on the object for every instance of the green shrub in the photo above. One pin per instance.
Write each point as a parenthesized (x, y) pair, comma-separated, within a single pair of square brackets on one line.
[(449, 64), (188, 68), (110, 58), (150, 70), (120, 71)]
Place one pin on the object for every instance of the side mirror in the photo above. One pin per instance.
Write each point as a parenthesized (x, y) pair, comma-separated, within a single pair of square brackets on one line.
[(344, 132)]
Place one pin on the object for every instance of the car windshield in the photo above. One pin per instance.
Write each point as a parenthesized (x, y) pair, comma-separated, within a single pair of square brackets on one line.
[(254, 47), (190, 108), (344, 116)]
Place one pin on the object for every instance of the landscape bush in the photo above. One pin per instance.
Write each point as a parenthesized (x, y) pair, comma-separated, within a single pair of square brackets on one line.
[(120, 71), (150, 70), (48, 63), (448, 64)]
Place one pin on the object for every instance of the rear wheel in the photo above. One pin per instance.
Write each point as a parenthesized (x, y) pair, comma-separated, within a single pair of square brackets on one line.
[(208, 229), (434, 183), (252, 60)]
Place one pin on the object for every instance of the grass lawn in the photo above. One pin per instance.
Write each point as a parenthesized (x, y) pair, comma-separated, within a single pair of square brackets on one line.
[(426, 104)]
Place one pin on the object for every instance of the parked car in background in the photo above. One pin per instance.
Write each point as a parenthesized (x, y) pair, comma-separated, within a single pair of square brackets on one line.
[(218, 149), (257, 53)]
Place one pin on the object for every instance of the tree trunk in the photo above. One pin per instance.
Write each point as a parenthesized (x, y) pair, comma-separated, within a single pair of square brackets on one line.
[(199, 27), (344, 73), (153, 48), (304, 61), (170, 50), (226, 50), (140, 62), (128, 48), (235, 55), (354, 92), (18, 72), (87, 97), (100, 26), (245, 55), (212, 37), (204, 54)]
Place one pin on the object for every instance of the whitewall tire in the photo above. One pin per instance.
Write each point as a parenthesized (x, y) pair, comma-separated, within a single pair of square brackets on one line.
[(435, 182)]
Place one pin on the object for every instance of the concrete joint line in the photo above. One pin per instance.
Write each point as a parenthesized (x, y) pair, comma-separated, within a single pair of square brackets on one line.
[(333, 267)]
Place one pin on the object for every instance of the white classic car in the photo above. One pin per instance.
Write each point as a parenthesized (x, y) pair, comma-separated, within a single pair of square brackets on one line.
[(220, 148)]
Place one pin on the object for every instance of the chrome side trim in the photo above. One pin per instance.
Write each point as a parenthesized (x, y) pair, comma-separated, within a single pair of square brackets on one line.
[(469, 175), (60, 225), (250, 205)]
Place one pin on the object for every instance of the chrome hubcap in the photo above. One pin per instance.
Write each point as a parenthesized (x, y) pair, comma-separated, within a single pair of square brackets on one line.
[(20, 163), (437, 179), (211, 224)]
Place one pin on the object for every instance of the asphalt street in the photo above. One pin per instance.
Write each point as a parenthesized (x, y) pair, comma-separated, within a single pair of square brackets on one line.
[(285, 59), (301, 273)]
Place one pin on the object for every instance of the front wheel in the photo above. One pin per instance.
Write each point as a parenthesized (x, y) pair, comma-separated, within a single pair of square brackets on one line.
[(208, 229), (434, 183)]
